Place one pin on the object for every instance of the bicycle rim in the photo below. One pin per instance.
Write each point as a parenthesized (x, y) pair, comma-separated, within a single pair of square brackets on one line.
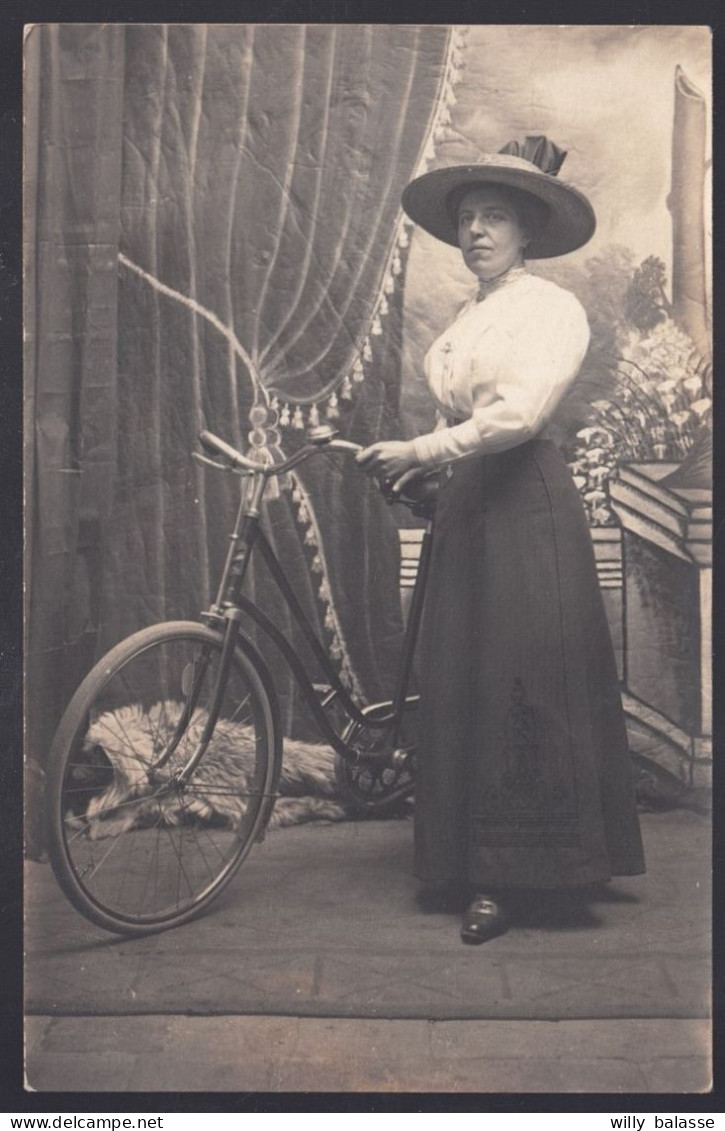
[(135, 847)]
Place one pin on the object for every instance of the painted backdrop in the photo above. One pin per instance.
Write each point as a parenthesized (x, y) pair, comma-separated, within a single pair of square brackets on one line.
[(213, 238)]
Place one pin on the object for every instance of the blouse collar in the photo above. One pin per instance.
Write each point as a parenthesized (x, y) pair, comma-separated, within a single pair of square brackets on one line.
[(488, 286)]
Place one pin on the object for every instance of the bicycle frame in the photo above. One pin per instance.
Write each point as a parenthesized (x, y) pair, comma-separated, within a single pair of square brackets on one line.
[(231, 606)]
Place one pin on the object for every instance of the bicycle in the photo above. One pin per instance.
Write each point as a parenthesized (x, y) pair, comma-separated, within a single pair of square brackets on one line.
[(165, 767)]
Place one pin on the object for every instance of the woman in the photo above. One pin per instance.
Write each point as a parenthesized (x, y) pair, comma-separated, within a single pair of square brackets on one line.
[(523, 775)]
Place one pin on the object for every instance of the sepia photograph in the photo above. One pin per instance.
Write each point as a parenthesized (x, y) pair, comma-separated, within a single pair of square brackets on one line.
[(368, 558)]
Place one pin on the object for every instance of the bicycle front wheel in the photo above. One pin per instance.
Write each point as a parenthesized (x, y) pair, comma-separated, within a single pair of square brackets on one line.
[(136, 842)]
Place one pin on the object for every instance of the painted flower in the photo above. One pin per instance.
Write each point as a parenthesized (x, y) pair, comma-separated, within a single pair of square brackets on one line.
[(588, 435), (600, 474), (701, 407)]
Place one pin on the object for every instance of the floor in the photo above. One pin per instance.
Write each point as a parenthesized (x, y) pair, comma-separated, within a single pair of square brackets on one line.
[(294, 1054), (319, 971)]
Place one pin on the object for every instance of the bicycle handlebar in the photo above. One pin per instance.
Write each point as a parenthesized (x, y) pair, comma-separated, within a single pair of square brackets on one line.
[(322, 440)]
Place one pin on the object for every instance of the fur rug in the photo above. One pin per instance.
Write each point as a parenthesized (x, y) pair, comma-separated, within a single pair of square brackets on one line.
[(119, 747)]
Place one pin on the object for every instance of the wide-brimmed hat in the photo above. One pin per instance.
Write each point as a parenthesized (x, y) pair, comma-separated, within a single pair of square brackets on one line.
[(530, 168)]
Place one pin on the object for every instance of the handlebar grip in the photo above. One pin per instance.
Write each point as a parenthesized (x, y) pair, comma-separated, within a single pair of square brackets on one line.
[(215, 446)]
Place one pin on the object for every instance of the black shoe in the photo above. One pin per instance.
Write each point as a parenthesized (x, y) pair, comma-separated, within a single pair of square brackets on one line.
[(483, 920)]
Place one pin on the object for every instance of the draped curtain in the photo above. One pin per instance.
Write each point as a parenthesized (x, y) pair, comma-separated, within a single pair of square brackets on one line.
[(213, 228)]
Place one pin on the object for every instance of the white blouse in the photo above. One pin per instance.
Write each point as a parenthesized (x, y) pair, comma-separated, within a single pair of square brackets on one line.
[(502, 368)]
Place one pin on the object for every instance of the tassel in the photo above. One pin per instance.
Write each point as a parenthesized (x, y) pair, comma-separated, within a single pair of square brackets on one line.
[(346, 388), (314, 416), (384, 307), (298, 419), (257, 438), (345, 671), (375, 329), (333, 411), (284, 417), (397, 264), (310, 537), (316, 564)]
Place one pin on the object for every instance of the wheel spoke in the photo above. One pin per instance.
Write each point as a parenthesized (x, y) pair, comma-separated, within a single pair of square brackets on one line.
[(116, 735), (168, 829), (153, 867), (241, 706), (137, 855), (114, 844), (218, 791), (125, 739)]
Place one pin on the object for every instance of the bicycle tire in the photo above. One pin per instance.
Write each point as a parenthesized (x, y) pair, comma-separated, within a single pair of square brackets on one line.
[(377, 789), (137, 854)]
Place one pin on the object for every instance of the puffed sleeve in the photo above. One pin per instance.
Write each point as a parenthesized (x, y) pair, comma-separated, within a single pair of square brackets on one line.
[(520, 369)]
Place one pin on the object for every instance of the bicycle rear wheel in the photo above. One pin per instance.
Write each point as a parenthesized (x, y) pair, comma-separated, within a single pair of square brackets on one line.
[(134, 847)]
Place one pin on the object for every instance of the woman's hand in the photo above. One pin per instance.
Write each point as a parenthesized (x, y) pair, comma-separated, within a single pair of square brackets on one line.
[(393, 462)]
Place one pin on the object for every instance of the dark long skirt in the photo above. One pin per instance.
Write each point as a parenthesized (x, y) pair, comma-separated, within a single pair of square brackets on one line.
[(524, 775)]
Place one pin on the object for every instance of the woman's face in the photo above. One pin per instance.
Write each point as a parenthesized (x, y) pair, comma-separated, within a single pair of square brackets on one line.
[(490, 233)]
